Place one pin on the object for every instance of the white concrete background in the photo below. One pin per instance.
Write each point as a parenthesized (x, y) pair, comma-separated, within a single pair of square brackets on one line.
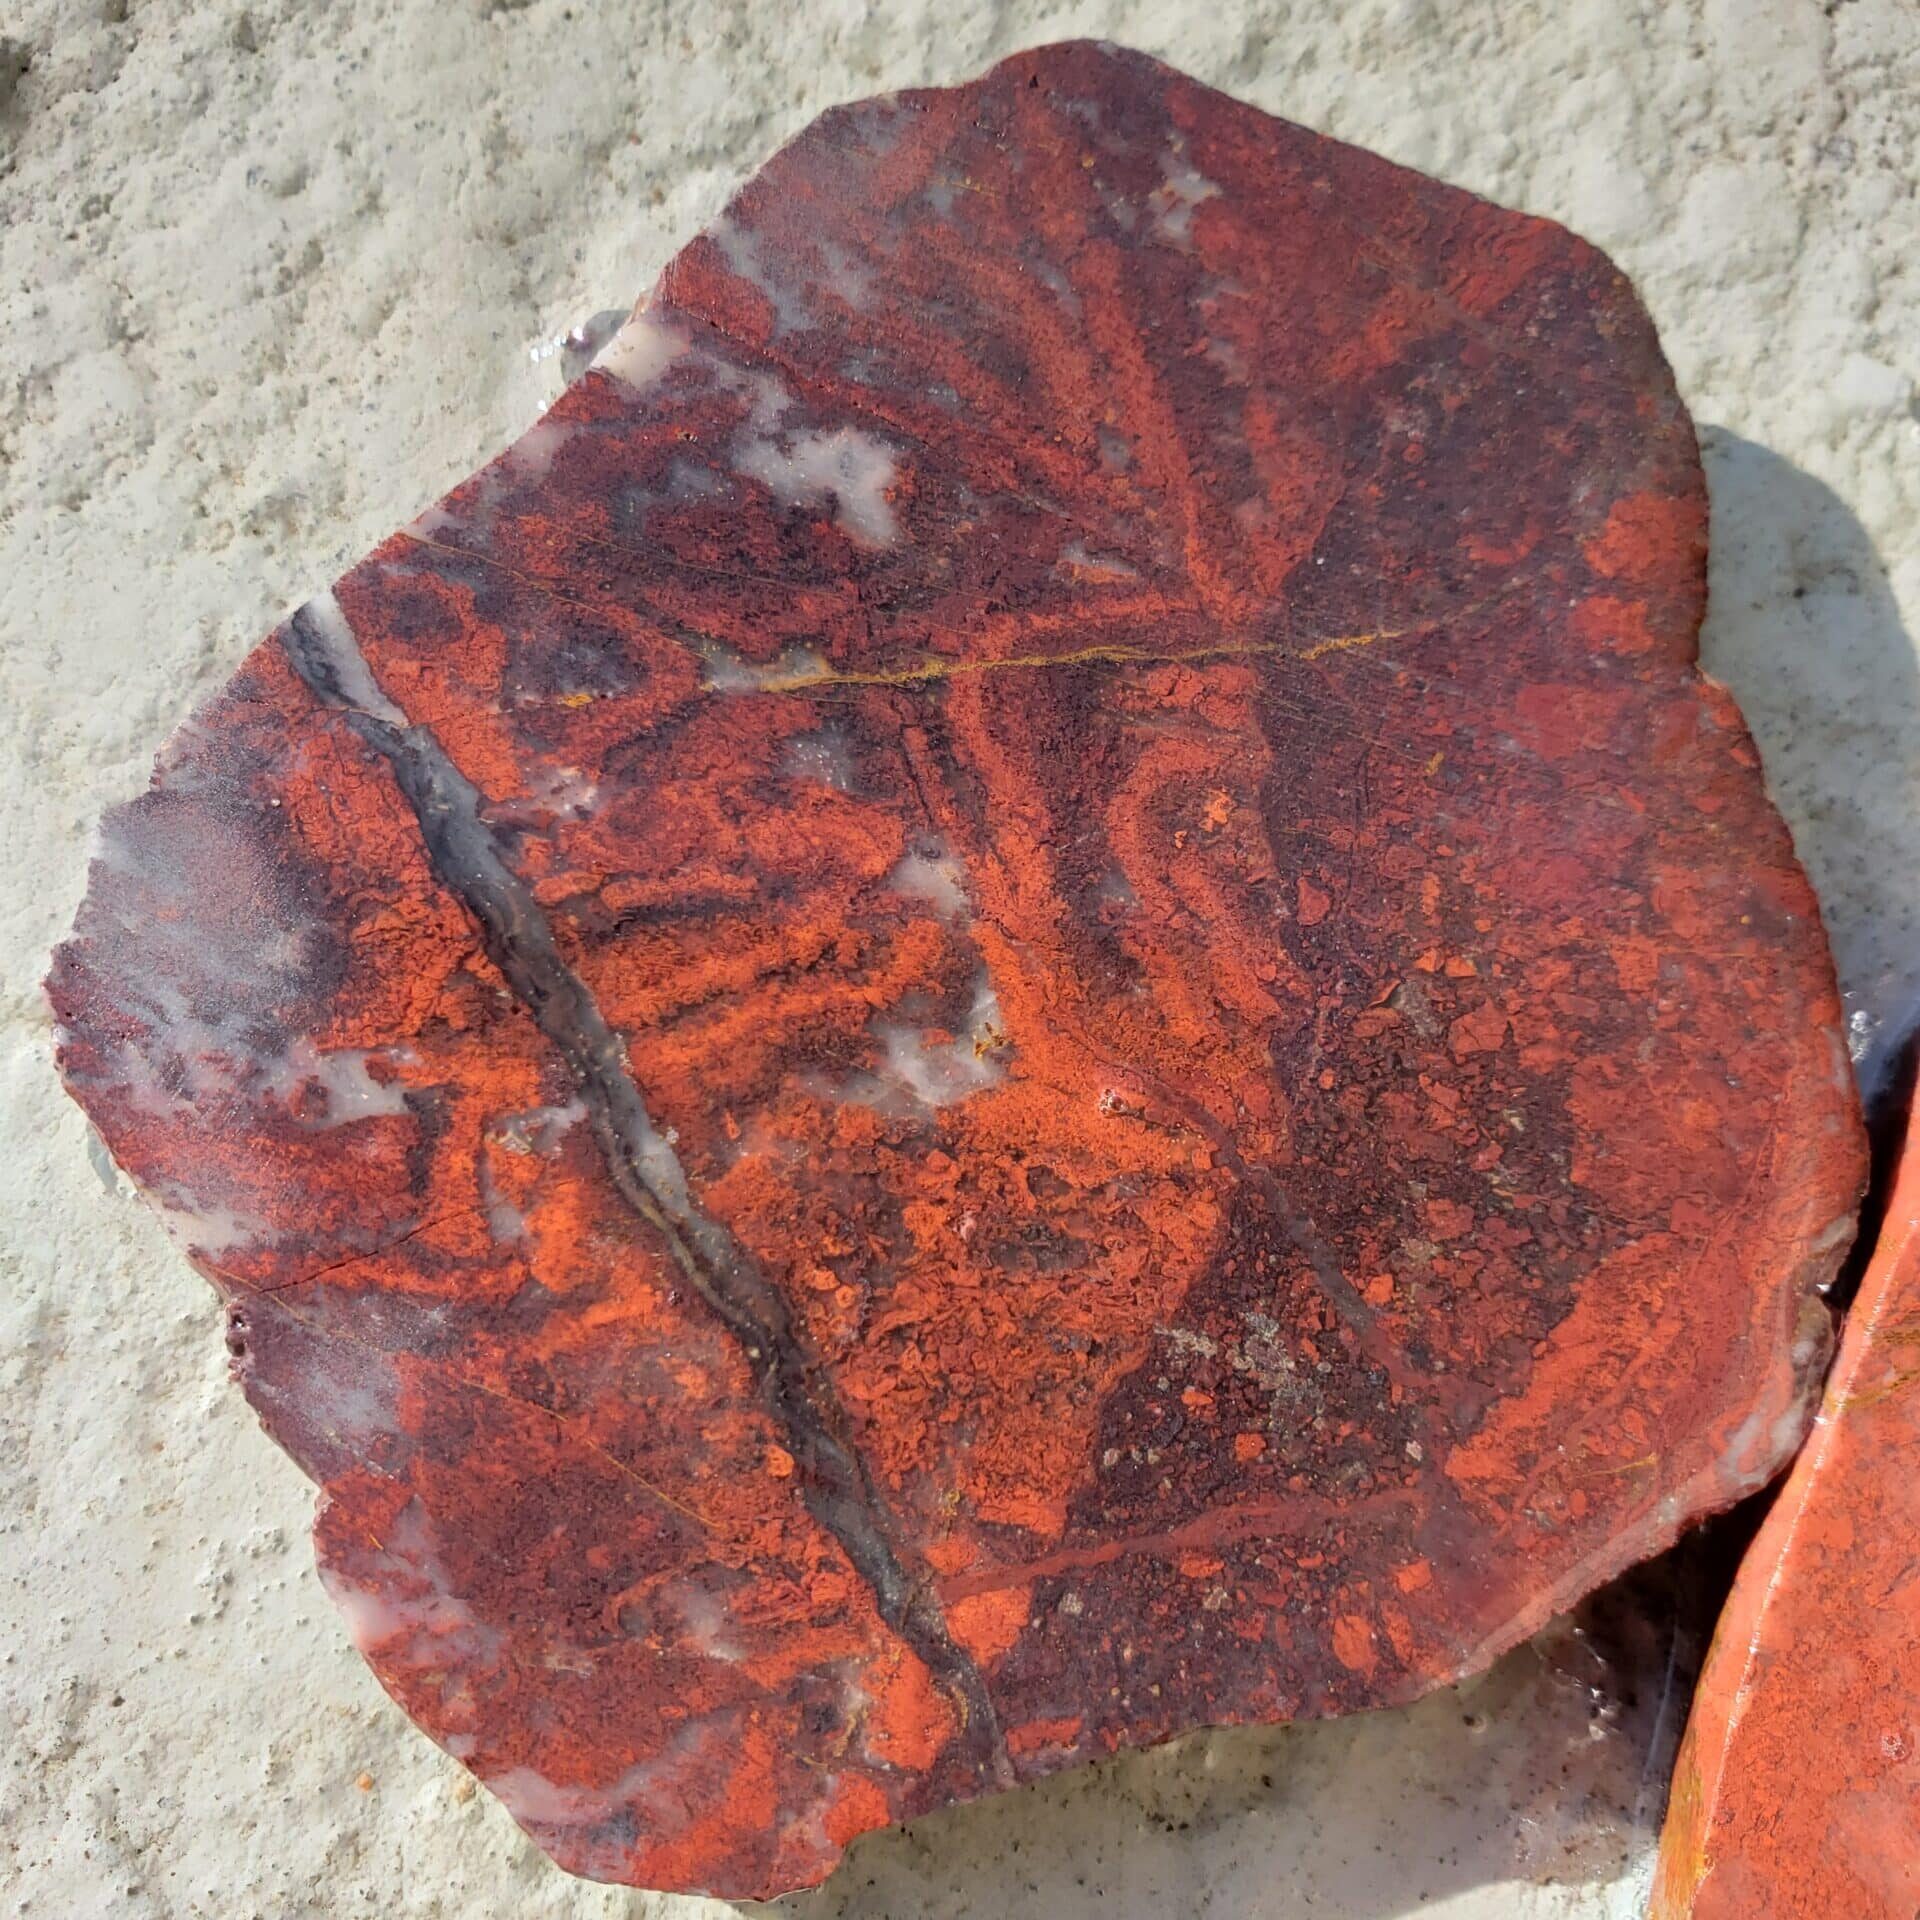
[(271, 276)]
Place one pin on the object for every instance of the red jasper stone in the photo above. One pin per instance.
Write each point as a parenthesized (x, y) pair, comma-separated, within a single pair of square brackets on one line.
[(1019, 998), (1797, 1794)]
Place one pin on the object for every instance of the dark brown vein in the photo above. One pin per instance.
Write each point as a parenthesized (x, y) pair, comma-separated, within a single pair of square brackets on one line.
[(642, 1165)]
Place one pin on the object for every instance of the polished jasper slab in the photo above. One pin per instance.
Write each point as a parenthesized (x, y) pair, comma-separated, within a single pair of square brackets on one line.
[(1020, 997), (1797, 1794)]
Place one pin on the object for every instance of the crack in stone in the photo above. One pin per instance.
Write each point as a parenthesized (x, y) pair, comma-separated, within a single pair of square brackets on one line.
[(1106, 653), (320, 645)]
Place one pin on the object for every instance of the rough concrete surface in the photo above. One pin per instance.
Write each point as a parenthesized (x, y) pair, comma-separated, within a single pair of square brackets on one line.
[(271, 278)]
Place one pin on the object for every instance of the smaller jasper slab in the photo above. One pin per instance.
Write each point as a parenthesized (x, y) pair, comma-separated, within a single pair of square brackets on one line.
[(1021, 997), (1797, 1794)]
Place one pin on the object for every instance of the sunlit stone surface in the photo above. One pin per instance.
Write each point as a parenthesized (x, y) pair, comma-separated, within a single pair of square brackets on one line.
[(1798, 1792), (1018, 999)]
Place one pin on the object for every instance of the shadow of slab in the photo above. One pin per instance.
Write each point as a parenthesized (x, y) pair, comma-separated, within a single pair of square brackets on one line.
[(1803, 627)]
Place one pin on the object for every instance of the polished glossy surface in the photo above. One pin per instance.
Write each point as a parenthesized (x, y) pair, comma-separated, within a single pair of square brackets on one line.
[(1018, 999)]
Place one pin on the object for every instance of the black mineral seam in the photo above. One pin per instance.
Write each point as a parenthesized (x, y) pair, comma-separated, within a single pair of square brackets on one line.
[(519, 940)]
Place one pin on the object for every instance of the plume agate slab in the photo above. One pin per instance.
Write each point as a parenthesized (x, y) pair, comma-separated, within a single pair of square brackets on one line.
[(1020, 997)]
